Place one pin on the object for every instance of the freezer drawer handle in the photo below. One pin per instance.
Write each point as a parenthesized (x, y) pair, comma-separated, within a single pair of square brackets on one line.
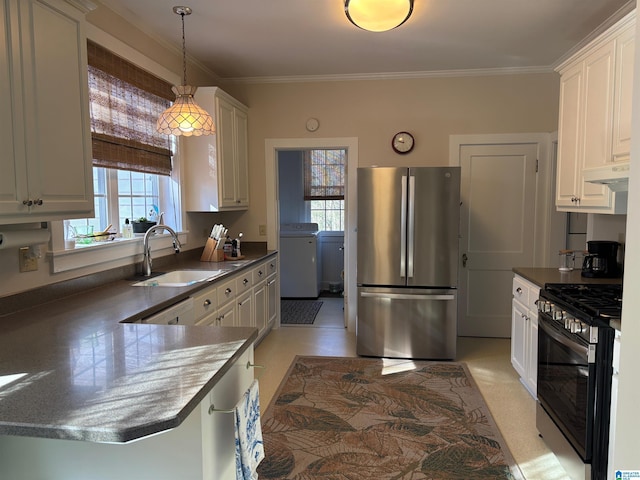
[(405, 296)]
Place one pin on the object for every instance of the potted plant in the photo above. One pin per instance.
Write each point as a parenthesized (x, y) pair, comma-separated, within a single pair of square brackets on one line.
[(142, 224)]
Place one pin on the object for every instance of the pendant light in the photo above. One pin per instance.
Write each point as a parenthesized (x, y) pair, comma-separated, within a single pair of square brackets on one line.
[(185, 117), (378, 15)]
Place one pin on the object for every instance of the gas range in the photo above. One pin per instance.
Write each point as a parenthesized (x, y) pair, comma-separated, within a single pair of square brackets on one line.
[(575, 354), (593, 303)]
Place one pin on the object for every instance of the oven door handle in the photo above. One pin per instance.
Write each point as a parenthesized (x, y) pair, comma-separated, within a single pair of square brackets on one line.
[(579, 349)]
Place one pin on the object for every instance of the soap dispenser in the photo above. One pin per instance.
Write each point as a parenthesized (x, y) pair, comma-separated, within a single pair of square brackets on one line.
[(127, 229)]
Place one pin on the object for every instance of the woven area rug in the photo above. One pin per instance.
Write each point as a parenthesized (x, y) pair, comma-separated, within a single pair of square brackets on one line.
[(299, 312), (362, 418)]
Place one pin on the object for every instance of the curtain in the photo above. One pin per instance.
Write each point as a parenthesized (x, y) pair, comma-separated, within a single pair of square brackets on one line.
[(324, 174), (125, 101)]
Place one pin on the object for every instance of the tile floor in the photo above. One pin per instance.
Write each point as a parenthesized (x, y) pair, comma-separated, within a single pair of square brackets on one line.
[(488, 360)]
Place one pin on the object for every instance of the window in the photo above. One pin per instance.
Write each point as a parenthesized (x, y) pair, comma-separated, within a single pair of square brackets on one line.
[(121, 195), (324, 177), (132, 161)]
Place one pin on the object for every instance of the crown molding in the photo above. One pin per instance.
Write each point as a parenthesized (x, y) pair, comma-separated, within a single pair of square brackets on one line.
[(477, 72)]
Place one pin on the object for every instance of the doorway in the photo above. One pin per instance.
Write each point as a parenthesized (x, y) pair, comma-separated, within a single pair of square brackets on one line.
[(311, 185), (273, 148)]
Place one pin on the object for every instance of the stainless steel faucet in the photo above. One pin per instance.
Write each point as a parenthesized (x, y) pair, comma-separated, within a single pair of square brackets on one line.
[(146, 260)]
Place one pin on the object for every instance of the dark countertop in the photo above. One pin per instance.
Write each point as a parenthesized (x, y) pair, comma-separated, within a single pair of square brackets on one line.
[(74, 371), (542, 276)]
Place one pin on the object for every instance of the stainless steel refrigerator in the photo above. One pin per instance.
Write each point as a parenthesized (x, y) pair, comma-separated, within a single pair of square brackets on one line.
[(407, 262)]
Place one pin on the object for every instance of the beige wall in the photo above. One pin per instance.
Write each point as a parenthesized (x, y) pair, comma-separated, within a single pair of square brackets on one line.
[(373, 110)]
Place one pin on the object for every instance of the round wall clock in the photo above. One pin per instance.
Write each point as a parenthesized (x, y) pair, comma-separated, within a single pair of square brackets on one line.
[(402, 142)]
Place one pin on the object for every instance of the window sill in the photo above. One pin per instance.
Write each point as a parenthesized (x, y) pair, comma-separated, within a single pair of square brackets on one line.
[(111, 254)]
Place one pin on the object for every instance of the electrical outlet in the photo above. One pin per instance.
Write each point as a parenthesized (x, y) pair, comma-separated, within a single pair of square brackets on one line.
[(262, 230), (28, 262)]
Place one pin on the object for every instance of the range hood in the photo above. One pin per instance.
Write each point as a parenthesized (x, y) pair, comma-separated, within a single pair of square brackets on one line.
[(615, 176)]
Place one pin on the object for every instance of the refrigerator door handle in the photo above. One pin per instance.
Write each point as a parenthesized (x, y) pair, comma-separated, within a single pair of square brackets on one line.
[(412, 225), (403, 227), (406, 296)]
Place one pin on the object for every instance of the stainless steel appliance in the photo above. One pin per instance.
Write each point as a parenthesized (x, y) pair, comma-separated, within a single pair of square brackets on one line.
[(602, 259), (575, 356), (407, 262)]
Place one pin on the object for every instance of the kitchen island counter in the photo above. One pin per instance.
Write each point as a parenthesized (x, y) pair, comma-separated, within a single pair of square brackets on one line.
[(70, 369)]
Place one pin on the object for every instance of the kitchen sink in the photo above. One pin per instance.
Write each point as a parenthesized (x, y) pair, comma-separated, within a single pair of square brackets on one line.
[(180, 278)]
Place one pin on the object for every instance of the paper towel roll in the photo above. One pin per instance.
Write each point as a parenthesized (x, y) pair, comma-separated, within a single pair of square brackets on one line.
[(23, 238)]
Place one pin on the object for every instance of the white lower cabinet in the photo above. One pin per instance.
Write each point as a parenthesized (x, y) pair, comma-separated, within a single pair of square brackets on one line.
[(272, 293), (227, 315), (524, 332), (245, 310), (272, 299), (205, 306), (247, 299), (201, 447), (260, 306)]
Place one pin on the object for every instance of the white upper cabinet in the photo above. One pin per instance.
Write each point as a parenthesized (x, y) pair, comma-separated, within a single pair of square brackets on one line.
[(46, 156), (217, 174), (594, 127), (623, 91)]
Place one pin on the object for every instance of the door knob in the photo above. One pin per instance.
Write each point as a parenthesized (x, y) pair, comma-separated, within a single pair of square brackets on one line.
[(464, 260)]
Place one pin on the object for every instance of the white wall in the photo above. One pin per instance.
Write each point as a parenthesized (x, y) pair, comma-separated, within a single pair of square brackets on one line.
[(628, 425)]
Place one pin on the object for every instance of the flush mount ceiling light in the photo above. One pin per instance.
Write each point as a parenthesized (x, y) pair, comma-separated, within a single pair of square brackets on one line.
[(378, 15), (185, 117)]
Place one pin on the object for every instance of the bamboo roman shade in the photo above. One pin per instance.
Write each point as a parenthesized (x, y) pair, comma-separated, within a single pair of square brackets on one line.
[(125, 102), (324, 174)]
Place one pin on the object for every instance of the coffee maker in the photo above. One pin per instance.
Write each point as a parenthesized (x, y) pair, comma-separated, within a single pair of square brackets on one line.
[(601, 260)]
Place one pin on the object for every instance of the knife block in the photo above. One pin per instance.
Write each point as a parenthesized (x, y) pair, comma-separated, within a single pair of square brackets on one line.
[(210, 253)]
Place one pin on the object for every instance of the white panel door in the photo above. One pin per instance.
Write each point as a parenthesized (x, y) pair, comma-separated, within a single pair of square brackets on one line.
[(498, 188)]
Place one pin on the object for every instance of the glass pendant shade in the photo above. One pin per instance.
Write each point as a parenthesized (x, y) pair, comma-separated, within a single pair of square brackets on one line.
[(378, 15), (185, 117)]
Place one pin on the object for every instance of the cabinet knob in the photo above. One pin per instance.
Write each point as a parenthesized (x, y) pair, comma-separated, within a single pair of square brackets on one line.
[(207, 302), (38, 201), (28, 203), (227, 292), (518, 290), (245, 281), (260, 273)]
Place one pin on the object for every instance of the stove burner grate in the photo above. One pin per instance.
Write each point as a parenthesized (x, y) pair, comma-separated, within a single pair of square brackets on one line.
[(597, 300)]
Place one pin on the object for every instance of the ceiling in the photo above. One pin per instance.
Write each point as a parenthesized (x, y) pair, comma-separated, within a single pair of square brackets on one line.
[(270, 39)]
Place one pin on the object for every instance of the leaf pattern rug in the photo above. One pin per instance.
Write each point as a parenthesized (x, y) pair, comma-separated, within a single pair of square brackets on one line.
[(362, 418)]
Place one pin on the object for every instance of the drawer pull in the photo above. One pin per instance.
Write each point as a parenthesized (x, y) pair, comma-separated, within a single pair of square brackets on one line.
[(207, 302), (245, 281), (519, 291), (227, 291), (260, 273)]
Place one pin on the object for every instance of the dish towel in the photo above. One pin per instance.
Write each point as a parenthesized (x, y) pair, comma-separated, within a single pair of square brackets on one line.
[(249, 445)]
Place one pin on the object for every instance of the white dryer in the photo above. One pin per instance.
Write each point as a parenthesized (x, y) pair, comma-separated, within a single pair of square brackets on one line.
[(299, 260)]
